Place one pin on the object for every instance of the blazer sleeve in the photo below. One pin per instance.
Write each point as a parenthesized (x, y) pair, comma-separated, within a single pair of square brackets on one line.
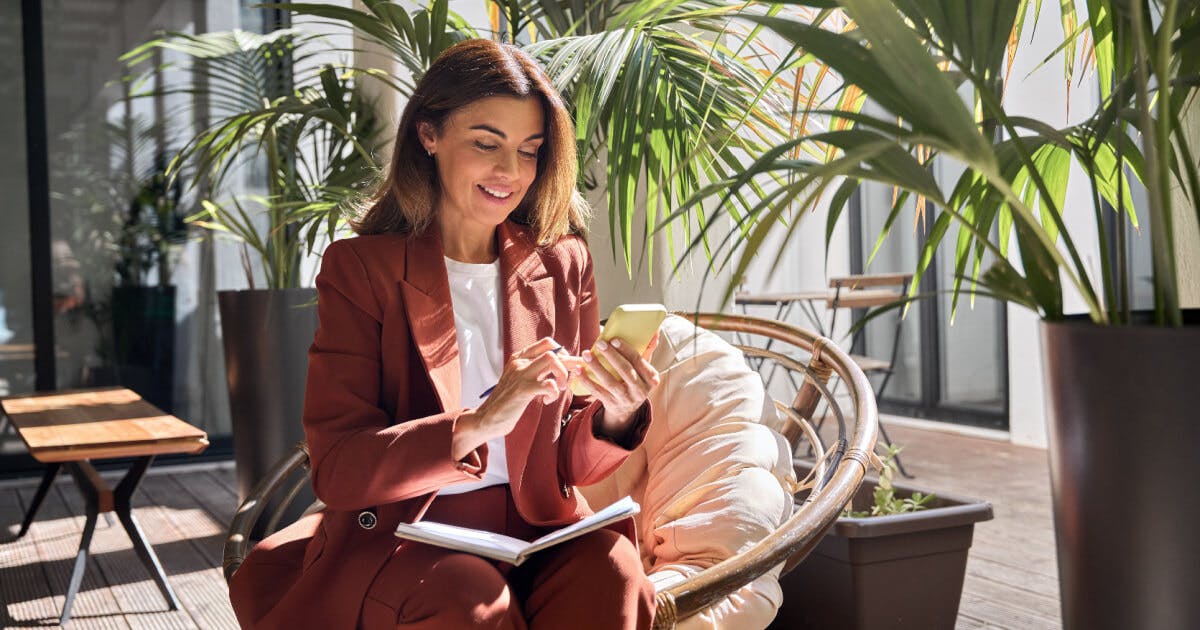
[(584, 457), (360, 457)]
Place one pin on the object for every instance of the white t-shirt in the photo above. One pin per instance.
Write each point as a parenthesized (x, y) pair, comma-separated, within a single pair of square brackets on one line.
[(475, 294)]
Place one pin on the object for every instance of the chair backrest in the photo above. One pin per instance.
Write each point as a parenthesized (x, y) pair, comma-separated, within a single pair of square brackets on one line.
[(840, 467), (865, 291), (869, 291)]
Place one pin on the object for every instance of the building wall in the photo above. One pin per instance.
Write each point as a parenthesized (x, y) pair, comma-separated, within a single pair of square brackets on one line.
[(1188, 231)]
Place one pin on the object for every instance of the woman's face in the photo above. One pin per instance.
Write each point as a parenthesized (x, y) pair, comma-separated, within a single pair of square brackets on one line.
[(486, 154)]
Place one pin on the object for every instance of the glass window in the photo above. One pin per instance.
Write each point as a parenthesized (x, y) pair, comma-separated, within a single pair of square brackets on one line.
[(16, 292), (897, 253), (133, 285), (943, 370)]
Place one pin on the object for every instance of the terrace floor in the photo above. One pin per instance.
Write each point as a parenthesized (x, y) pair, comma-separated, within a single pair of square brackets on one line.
[(1011, 576)]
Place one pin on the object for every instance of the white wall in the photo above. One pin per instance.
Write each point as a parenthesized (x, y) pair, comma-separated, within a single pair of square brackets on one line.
[(1043, 94)]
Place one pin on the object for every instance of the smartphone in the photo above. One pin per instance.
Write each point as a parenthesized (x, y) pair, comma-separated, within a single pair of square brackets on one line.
[(633, 324)]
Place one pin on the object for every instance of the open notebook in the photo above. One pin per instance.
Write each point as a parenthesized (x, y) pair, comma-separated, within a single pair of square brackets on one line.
[(506, 548)]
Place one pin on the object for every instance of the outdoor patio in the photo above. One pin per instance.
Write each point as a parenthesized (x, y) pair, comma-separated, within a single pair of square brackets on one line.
[(1011, 577)]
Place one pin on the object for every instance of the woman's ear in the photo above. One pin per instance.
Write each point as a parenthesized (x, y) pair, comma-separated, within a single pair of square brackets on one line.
[(427, 137)]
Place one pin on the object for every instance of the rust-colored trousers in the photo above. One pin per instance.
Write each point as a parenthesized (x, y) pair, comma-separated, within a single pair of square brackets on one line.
[(594, 581)]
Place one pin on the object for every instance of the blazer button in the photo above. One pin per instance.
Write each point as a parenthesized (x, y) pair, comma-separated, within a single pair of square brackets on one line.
[(367, 520), (566, 490)]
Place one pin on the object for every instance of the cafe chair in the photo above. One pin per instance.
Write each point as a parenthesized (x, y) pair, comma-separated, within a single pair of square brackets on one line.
[(860, 292), (703, 462)]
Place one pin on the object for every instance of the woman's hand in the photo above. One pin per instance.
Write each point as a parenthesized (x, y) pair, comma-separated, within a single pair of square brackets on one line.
[(623, 394), (537, 371)]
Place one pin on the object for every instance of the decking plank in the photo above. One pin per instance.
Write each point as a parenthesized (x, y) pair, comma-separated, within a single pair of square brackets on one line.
[(24, 588), (192, 536), (1012, 571), (56, 533)]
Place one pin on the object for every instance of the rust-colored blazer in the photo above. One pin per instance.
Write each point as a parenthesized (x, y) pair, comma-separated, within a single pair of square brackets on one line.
[(381, 402)]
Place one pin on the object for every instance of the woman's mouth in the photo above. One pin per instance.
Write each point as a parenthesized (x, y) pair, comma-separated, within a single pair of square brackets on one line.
[(495, 193)]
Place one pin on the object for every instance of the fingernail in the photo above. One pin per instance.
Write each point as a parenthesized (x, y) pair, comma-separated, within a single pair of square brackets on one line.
[(616, 343), (602, 344), (587, 356)]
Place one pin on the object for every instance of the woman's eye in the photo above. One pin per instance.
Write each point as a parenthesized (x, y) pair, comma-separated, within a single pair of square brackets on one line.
[(486, 147), (529, 155)]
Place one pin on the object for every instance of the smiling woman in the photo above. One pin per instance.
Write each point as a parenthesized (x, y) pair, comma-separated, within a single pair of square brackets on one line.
[(469, 271), (487, 156), (493, 100)]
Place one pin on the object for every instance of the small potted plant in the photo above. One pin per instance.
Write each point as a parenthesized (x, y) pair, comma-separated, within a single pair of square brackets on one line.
[(896, 558), (143, 314)]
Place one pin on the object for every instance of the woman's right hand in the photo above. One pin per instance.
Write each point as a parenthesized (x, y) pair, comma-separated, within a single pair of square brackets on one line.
[(536, 371)]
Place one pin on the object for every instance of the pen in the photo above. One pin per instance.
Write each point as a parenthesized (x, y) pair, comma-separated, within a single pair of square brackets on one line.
[(489, 390)]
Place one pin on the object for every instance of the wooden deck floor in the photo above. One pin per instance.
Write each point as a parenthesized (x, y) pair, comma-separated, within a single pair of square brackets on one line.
[(1011, 576), (1012, 571)]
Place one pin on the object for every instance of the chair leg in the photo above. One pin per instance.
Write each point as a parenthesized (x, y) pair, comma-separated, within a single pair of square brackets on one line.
[(899, 464), (887, 376)]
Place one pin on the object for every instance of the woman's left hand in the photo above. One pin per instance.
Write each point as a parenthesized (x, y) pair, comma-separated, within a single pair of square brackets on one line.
[(623, 394)]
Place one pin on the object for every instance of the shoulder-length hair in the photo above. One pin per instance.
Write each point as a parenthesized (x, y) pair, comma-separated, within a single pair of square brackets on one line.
[(464, 73)]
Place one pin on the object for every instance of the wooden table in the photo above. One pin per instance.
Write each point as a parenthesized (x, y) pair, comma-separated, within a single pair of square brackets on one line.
[(72, 427)]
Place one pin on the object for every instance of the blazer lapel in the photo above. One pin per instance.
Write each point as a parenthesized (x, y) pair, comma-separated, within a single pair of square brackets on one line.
[(528, 295), (427, 302), (528, 315)]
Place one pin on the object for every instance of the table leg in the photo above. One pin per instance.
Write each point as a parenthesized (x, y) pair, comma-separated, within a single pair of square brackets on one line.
[(43, 488), (92, 497), (100, 499), (122, 503)]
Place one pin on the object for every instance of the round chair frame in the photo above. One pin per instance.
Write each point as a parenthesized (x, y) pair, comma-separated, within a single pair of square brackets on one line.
[(838, 472)]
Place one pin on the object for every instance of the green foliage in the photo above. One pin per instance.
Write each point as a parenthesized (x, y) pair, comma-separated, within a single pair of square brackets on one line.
[(915, 61), (312, 131), (152, 226), (885, 500), (660, 97)]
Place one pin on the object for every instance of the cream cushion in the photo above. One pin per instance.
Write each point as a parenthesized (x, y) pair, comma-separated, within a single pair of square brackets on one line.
[(711, 476)]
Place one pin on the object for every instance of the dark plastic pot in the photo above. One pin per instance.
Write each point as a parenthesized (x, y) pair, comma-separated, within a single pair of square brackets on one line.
[(1124, 427), (266, 336), (885, 572), (143, 320)]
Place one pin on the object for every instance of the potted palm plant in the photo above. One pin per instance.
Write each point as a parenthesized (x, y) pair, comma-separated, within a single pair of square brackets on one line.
[(661, 102), (1122, 403), (313, 133)]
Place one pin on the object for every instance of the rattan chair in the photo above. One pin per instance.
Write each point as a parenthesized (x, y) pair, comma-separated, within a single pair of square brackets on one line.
[(839, 466)]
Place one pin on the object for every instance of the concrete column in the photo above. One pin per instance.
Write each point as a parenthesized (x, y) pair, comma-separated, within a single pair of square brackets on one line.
[(1187, 232)]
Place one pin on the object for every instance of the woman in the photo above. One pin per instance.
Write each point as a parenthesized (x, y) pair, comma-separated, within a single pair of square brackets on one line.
[(468, 256)]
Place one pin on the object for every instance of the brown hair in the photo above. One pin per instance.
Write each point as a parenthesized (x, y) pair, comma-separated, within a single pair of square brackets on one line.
[(464, 73)]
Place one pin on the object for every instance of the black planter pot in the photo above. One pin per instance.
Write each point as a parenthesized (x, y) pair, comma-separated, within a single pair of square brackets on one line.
[(885, 572), (266, 336), (1124, 426), (143, 320)]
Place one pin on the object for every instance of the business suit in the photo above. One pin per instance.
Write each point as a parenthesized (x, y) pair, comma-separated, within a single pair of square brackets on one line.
[(382, 398)]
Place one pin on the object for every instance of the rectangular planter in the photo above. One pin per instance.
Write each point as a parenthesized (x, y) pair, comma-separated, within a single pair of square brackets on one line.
[(898, 571)]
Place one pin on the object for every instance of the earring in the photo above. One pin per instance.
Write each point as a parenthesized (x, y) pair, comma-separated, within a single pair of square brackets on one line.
[(428, 152)]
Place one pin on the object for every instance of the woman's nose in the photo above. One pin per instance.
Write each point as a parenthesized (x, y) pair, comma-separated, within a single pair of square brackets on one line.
[(507, 164)]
